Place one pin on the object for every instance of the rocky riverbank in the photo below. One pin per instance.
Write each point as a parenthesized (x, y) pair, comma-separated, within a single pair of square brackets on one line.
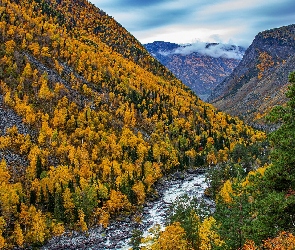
[(119, 232)]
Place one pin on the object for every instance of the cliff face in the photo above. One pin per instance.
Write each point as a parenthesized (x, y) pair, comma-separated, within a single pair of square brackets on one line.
[(260, 80), (201, 69)]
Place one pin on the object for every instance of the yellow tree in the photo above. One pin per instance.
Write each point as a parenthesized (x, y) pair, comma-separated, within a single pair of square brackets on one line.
[(117, 202), (81, 223), (35, 48), (18, 235), (4, 174), (103, 216), (226, 192), (9, 198), (2, 241), (68, 204), (172, 238), (2, 228), (138, 189), (45, 52), (37, 226), (9, 46), (44, 92), (208, 236), (211, 158)]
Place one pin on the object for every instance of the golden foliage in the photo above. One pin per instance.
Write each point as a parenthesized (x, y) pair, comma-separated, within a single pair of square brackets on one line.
[(284, 241), (208, 235), (226, 192), (105, 120), (18, 233), (172, 238)]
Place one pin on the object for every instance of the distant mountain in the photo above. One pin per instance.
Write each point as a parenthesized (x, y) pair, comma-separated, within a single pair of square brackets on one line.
[(201, 66), (260, 80)]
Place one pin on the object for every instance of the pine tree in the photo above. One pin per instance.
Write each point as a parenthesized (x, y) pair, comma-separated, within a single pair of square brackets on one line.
[(282, 174)]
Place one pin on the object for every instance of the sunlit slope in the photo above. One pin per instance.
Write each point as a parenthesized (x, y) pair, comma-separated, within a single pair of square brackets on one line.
[(96, 127)]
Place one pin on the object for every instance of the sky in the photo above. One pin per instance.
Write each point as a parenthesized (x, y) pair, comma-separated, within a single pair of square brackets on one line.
[(189, 21)]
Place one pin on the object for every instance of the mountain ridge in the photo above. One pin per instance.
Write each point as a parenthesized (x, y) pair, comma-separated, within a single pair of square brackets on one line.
[(260, 80)]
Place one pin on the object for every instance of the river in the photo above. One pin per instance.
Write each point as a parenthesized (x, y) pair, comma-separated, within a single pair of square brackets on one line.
[(119, 233)]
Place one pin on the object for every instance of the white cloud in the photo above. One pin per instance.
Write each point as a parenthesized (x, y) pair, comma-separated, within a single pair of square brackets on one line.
[(213, 50)]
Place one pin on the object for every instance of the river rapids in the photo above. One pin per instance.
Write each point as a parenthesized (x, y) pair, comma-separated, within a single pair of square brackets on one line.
[(119, 233)]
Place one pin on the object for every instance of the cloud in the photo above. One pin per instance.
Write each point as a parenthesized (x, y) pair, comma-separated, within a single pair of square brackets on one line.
[(123, 5), (157, 19), (210, 49), (164, 53), (182, 21)]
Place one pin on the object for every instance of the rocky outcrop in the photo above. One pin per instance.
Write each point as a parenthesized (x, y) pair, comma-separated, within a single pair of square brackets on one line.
[(9, 119)]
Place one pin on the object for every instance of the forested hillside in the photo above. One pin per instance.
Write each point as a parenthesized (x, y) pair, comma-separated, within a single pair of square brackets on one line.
[(90, 121)]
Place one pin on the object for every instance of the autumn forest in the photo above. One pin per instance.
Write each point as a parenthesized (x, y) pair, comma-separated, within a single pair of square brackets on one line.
[(97, 122)]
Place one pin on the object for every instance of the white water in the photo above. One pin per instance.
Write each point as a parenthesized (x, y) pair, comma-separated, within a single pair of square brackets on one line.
[(193, 186), (118, 234)]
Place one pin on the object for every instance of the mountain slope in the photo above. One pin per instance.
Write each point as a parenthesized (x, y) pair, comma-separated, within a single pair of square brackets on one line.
[(92, 121), (201, 66), (260, 80)]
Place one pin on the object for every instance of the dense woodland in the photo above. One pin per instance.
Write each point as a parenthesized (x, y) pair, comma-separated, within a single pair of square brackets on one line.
[(103, 122)]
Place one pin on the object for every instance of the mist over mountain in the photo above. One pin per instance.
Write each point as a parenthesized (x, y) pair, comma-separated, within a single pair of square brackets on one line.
[(201, 66), (215, 50)]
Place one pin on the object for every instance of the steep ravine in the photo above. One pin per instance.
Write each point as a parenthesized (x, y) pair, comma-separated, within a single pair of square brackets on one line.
[(119, 233)]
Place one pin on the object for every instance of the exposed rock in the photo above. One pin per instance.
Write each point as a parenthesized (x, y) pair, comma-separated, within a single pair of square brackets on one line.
[(9, 119)]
